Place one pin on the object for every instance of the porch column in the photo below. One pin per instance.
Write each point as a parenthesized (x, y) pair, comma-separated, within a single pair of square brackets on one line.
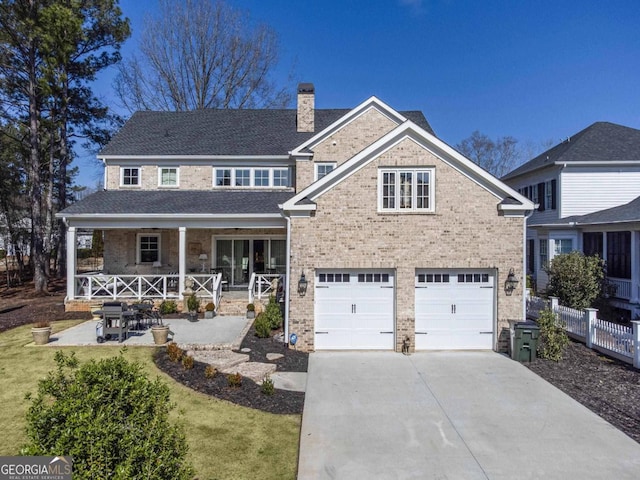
[(71, 262), (182, 258), (635, 268)]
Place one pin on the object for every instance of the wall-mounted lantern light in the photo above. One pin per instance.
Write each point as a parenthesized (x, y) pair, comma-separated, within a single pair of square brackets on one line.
[(510, 283), (302, 285)]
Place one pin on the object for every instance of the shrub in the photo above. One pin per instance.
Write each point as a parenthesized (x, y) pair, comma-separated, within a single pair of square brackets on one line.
[(234, 380), (175, 352), (251, 307), (42, 324), (210, 371), (262, 326), (273, 314), (553, 338), (193, 304), (577, 280), (187, 362), (168, 306), (210, 307), (110, 417), (267, 386)]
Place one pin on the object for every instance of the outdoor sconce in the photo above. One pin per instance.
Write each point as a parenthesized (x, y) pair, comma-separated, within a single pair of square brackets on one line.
[(510, 283), (302, 285)]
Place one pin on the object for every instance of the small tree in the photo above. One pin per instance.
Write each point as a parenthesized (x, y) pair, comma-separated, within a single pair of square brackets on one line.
[(576, 279), (273, 313), (553, 337), (110, 417)]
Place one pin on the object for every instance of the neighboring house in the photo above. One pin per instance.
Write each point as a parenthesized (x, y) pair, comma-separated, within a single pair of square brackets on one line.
[(385, 235), (587, 188)]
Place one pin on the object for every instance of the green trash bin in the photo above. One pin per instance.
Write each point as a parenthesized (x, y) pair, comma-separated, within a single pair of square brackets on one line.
[(526, 341)]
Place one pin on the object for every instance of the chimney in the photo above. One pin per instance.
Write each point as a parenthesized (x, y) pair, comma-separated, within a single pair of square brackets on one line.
[(306, 107)]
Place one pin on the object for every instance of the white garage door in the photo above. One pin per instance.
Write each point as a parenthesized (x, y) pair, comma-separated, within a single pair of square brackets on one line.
[(354, 309), (454, 309)]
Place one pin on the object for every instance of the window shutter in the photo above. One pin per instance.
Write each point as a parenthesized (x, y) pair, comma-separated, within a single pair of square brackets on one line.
[(541, 196), (554, 184)]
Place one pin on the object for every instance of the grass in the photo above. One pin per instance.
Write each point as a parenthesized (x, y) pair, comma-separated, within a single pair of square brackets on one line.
[(226, 441)]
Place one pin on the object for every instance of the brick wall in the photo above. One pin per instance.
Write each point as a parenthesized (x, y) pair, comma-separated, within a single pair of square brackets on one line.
[(465, 231)]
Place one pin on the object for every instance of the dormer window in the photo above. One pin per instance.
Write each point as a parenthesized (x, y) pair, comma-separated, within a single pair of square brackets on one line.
[(244, 177), (130, 176)]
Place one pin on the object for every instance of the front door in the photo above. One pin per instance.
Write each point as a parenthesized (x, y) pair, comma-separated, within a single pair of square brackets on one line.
[(238, 258)]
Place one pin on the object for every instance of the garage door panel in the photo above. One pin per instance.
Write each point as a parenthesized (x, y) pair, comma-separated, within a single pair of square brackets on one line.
[(454, 314), (357, 313)]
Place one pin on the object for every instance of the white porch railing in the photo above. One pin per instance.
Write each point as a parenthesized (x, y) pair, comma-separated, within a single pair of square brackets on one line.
[(143, 286), (621, 287), (262, 284), (619, 341)]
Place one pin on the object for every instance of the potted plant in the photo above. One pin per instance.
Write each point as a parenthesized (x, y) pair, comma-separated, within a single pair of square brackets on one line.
[(209, 310), (251, 311), (41, 331), (160, 334), (193, 304)]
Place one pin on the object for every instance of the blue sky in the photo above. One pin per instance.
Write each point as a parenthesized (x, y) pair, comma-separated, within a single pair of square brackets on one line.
[(536, 70)]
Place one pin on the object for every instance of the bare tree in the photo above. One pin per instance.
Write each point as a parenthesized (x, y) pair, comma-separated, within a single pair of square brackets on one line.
[(498, 158), (201, 54)]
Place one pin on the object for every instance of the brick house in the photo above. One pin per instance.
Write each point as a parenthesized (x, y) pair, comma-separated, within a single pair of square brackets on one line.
[(383, 234)]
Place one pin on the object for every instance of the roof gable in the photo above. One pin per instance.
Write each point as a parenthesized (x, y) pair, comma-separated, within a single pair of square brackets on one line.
[(303, 201), (600, 142)]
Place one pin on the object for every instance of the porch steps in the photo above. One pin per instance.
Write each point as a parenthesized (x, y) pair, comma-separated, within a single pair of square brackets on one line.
[(233, 306)]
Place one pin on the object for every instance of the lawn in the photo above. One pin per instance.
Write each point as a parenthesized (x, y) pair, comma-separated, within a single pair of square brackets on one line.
[(225, 440)]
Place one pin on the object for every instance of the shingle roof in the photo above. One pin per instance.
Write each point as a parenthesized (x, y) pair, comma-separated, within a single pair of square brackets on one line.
[(222, 132), (186, 202), (602, 141), (629, 212)]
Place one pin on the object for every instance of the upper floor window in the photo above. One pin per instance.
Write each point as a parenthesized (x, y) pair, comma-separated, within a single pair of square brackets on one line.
[(404, 190), (281, 177), (251, 177), (168, 177), (324, 168), (130, 176), (544, 253)]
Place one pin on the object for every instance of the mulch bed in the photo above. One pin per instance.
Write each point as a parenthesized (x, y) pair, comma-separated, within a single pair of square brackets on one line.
[(606, 386), (249, 394)]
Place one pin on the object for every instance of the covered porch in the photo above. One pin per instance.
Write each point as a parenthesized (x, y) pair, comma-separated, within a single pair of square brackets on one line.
[(218, 241)]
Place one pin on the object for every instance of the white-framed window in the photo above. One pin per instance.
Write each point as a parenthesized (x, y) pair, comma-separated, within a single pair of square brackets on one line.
[(562, 245), (406, 190), (251, 177), (544, 252), (242, 177), (548, 195), (223, 177), (324, 168), (261, 177), (281, 177), (130, 176), (148, 248), (168, 177)]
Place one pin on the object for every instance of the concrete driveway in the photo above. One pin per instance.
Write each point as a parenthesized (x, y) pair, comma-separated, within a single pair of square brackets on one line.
[(450, 415)]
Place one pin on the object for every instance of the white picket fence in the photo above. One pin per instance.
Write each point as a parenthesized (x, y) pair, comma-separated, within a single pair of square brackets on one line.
[(618, 341)]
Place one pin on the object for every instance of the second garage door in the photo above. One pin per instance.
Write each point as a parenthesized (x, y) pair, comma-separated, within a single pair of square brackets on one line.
[(354, 309), (454, 309)]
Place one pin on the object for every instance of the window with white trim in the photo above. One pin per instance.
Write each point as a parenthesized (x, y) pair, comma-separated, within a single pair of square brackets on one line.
[(148, 248), (562, 245), (544, 253), (406, 190), (168, 177), (244, 177), (324, 168), (130, 176)]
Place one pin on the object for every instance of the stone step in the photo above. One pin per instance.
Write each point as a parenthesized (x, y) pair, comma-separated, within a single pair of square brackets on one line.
[(254, 370), (221, 359)]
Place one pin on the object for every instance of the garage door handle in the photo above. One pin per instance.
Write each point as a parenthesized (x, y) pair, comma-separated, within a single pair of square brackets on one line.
[(486, 287), (386, 286), (421, 333), (421, 286), (387, 332), (486, 333), (324, 333), (322, 286)]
